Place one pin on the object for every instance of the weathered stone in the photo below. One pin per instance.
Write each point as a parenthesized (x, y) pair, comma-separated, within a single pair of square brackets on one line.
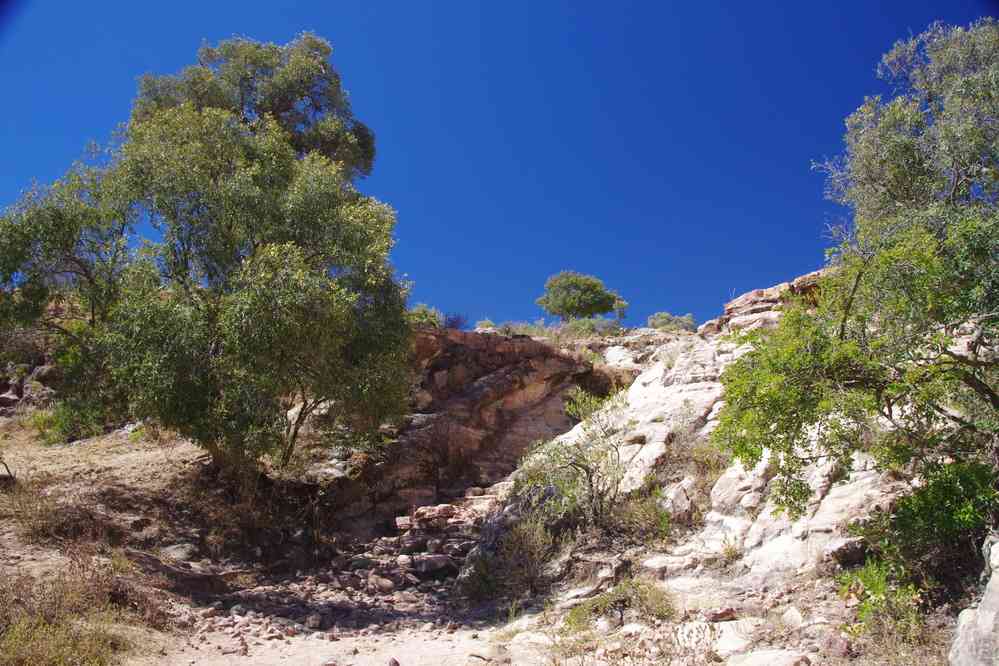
[(380, 583), (182, 552), (976, 642), (434, 564)]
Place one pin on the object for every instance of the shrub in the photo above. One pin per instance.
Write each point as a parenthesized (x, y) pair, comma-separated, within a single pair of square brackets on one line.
[(422, 315), (665, 321), (643, 598), (641, 518), (535, 330), (521, 557), (581, 404), (485, 323), (887, 609), (39, 518), (66, 618), (577, 480), (929, 535), (64, 423), (590, 327)]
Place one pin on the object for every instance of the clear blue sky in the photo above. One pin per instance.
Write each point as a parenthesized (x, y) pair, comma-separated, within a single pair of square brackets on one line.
[(663, 146)]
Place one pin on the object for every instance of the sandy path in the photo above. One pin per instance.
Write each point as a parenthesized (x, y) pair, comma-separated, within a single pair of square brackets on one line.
[(409, 648)]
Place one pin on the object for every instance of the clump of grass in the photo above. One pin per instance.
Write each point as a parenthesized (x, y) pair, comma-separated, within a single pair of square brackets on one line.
[(730, 551), (641, 518), (69, 618), (40, 518), (888, 609), (641, 598), (517, 569), (62, 423)]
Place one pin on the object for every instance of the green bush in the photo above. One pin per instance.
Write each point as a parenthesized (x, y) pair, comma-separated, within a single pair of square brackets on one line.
[(64, 423), (647, 600), (422, 315), (930, 533), (641, 518), (591, 327), (577, 481), (485, 323), (665, 321), (887, 607), (580, 404), (536, 330)]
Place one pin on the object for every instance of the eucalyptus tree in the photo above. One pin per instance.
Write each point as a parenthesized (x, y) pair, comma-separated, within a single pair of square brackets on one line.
[(897, 353), (220, 266)]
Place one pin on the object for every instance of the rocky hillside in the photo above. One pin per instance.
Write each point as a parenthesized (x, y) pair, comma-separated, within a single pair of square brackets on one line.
[(750, 585)]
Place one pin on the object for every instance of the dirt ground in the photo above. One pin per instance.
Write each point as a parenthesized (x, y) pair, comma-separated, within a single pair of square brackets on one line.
[(143, 495)]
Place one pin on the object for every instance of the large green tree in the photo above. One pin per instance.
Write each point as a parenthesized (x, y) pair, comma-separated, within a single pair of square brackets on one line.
[(219, 271), (897, 352)]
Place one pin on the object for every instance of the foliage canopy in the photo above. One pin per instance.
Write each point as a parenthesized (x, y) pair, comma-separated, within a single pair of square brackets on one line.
[(569, 295), (265, 282), (897, 354)]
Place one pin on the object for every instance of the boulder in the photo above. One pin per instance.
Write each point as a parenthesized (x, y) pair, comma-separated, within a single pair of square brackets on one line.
[(976, 642), (434, 565)]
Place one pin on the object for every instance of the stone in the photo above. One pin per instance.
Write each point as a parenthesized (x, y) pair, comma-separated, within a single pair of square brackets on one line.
[(675, 500), (361, 563), (792, 618), (181, 552), (314, 621), (721, 615), (770, 658), (836, 645), (976, 641), (380, 583), (434, 564)]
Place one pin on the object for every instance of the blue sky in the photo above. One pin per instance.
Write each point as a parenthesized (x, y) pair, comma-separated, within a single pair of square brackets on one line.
[(663, 146)]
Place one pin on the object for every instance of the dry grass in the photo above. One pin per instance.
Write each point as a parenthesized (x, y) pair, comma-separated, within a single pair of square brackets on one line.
[(641, 519), (41, 518), (72, 617), (639, 598)]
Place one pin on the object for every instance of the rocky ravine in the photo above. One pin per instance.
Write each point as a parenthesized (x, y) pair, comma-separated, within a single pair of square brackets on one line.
[(751, 586)]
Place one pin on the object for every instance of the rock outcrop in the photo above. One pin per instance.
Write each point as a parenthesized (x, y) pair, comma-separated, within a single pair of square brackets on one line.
[(479, 402), (26, 385), (976, 642)]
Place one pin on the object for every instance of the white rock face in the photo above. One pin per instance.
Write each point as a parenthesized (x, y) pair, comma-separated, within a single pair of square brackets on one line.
[(679, 393), (977, 639), (748, 570)]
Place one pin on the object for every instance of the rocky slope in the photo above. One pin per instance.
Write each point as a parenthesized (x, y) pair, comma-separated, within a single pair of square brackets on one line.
[(752, 586)]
